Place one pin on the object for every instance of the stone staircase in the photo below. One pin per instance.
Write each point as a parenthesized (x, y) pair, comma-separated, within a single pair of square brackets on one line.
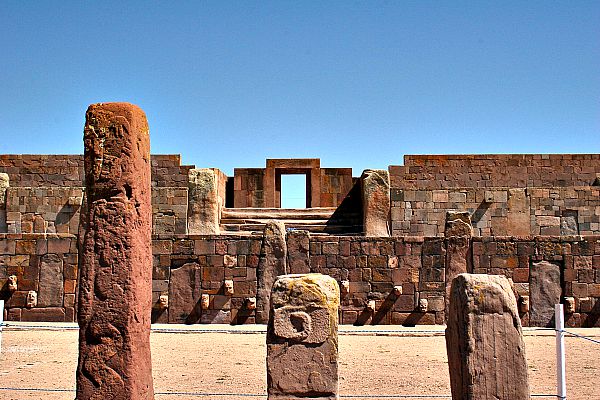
[(315, 220)]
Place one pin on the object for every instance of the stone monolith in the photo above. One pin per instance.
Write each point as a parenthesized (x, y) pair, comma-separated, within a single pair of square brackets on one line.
[(544, 292), (376, 202), (115, 289), (204, 206), (457, 232), (272, 263), (302, 345), (486, 353)]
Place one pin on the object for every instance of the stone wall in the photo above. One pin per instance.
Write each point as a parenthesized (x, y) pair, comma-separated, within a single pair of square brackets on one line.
[(40, 170), (495, 170), (187, 267), (499, 211)]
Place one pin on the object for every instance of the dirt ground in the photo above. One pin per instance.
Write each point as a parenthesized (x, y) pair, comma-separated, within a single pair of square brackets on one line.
[(219, 365)]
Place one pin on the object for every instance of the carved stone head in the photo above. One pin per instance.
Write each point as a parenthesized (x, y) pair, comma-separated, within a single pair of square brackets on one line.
[(12, 283), (251, 303), (345, 287), (569, 305), (423, 304), (228, 287), (205, 301), (524, 304), (31, 299), (163, 301)]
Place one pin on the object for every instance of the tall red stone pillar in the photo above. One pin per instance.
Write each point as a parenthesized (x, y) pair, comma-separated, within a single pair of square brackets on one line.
[(115, 291)]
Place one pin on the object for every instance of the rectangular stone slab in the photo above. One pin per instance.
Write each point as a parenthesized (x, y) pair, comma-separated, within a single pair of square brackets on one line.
[(544, 293), (486, 352), (115, 292)]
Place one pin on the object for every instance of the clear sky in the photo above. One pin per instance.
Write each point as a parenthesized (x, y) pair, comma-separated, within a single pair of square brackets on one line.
[(357, 84)]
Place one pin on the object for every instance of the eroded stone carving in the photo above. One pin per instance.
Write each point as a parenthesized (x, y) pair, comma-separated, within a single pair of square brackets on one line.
[(371, 305), (251, 303), (32, 299), (12, 283), (228, 286), (302, 342), (115, 292), (163, 301), (483, 310), (569, 305), (524, 304), (345, 287), (205, 301), (423, 305)]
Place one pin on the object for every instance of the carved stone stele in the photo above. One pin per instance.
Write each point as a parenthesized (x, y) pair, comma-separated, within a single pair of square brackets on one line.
[(486, 353), (115, 290), (302, 345), (376, 202), (204, 209), (272, 263)]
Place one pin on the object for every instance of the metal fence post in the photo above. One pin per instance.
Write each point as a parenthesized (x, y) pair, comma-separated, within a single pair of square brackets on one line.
[(561, 380)]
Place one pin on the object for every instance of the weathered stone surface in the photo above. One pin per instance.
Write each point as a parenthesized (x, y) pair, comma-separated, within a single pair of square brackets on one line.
[(298, 253), (376, 202), (4, 184), (184, 292), (544, 293), (272, 263), (302, 346), (204, 208), (51, 281), (486, 352), (458, 232), (518, 214), (115, 292)]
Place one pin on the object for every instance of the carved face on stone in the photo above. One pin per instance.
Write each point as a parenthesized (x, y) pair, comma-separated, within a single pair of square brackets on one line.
[(205, 301), (423, 303), (251, 303), (31, 299), (12, 283), (371, 305), (228, 287), (524, 304), (569, 305), (302, 325), (163, 302), (345, 287)]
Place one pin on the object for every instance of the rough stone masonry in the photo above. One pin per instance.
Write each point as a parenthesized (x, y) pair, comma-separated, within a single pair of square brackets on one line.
[(115, 257), (302, 343), (486, 352)]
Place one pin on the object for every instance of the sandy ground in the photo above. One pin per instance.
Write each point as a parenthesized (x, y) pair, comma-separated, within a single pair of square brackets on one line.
[(228, 363)]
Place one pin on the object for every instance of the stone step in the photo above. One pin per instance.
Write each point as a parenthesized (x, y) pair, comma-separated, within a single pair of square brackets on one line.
[(337, 229), (278, 213)]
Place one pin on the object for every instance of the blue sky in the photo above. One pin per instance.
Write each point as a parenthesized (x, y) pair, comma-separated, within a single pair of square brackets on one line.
[(357, 84)]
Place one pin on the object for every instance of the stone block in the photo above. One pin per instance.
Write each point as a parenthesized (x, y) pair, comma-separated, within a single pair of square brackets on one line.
[(302, 345), (483, 310)]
